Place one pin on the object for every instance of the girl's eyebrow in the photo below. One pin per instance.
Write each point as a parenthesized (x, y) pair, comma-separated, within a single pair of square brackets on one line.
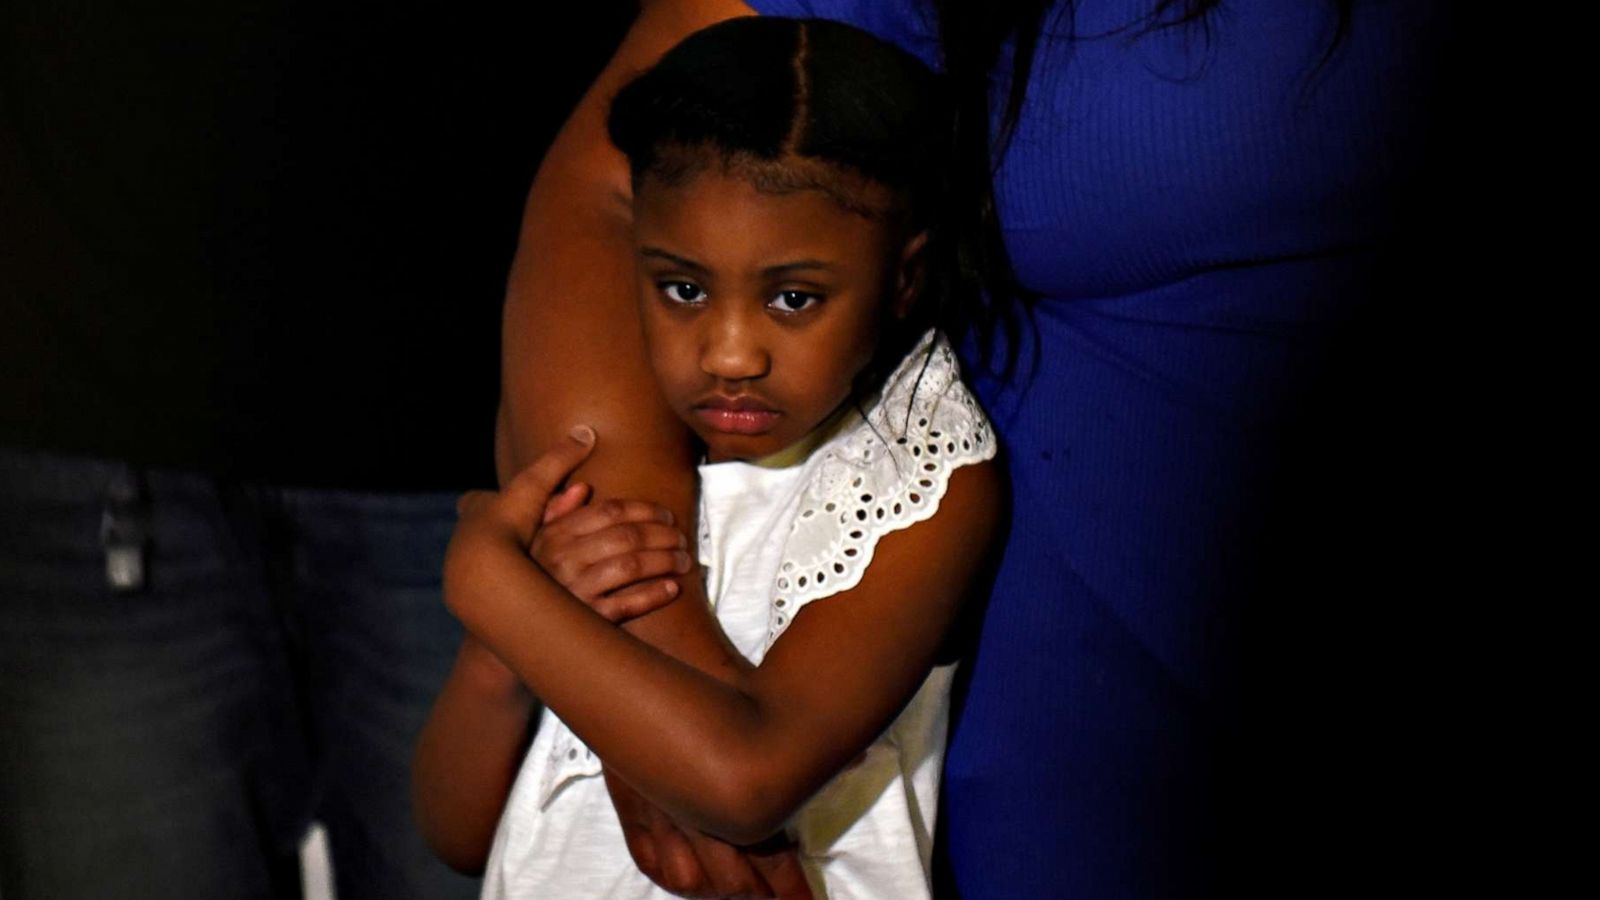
[(785, 268), (779, 269), (675, 259)]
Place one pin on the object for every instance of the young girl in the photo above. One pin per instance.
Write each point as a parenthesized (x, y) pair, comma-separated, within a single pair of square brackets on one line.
[(786, 184)]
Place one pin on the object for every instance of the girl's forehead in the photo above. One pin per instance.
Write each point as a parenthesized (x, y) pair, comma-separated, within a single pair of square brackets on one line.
[(726, 220), (846, 188)]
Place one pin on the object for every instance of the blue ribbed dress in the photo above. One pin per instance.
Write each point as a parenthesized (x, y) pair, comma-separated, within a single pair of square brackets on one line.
[(1197, 206)]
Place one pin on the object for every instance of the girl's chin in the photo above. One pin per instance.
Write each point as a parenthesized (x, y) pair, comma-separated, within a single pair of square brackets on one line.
[(739, 448), (720, 452)]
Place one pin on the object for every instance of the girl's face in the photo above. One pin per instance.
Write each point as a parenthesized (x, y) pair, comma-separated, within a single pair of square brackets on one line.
[(760, 309)]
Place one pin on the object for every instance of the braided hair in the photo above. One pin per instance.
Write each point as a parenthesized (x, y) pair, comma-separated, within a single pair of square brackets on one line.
[(807, 104)]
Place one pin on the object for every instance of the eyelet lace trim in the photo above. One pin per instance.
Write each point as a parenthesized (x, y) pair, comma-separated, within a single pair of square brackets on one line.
[(570, 758), (887, 473)]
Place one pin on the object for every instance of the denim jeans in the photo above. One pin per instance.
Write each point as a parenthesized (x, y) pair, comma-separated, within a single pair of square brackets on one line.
[(268, 660)]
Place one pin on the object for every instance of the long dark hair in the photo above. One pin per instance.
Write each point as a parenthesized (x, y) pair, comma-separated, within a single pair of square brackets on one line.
[(971, 36), (806, 104)]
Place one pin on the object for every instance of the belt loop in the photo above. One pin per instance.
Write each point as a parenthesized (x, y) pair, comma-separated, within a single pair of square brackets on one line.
[(125, 530)]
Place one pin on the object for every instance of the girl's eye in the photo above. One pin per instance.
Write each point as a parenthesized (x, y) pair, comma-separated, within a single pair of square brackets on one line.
[(682, 291), (794, 301)]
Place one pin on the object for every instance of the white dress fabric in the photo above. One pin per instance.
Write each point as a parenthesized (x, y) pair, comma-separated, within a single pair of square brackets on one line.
[(773, 540)]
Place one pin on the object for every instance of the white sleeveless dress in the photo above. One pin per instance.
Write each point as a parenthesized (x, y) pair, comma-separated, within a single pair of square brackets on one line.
[(773, 540)]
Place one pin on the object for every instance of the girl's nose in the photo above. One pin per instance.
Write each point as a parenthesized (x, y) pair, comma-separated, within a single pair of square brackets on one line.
[(733, 350)]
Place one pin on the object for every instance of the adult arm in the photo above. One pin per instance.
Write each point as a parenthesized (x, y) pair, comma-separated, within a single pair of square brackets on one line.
[(572, 348)]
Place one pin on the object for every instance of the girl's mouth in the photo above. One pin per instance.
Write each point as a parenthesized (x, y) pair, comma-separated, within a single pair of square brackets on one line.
[(736, 415)]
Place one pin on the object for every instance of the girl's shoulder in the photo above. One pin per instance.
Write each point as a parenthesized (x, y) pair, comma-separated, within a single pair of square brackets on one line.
[(886, 471)]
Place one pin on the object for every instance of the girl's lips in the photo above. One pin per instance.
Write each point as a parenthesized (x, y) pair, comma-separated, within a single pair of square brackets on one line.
[(737, 421)]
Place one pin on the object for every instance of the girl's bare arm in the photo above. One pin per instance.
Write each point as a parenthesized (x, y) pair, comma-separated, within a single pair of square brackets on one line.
[(472, 745), (733, 758), (468, 755)]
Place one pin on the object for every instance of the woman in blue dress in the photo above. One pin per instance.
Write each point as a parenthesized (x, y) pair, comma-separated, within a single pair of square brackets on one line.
[(1186, 198)]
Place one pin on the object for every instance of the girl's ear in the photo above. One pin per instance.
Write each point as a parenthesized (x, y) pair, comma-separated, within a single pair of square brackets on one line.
[(908, 277)]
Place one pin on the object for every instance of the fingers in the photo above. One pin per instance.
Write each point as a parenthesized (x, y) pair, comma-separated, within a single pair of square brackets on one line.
[(625, 570), (642, 847), (528, 493), (573, 497), (680, 869), (659, 849), (728, 871), (686, 863), (472, 500), (634, 814), (586, 536), (565, 556), (609, 546), (607, 513), (635, 601), (690, 864), (782, 871)]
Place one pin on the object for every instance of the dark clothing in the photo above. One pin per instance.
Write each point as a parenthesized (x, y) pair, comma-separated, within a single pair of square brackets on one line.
[(175, 742), (252, 255), (1198, 207), (270, 239)]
